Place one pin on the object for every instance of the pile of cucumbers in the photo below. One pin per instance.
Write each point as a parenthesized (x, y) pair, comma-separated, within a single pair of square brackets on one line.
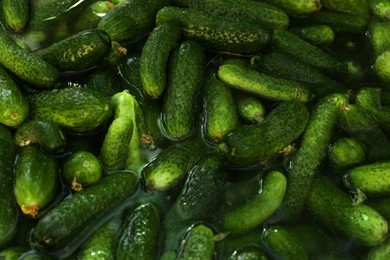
[(194, 129)]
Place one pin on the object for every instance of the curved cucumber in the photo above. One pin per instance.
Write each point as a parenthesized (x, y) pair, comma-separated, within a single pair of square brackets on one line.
[(16, 13), (198, 243), (380, 252)]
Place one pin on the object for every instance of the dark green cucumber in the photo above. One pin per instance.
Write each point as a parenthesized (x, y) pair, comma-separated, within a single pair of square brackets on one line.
[(83, 211), (288, 42), (36, 180), (250, 109), (312, 150), (380, 8), (248, 253), (78, 52), (76, 109), (317, 34), (250, 145), (298, 7), (334, 208), (185, 78), (216, 33), (348, 6), (346, 151), (45, 133), (250, 80), (12, 253), (102, 243), (29, 68), (13, 104), (258, 209), (138, 237), (268, 15), (81, 169), (154, 60), (16, 13), (105, 80), (219, 109), (9, 214), (131, 19), (91, 15)]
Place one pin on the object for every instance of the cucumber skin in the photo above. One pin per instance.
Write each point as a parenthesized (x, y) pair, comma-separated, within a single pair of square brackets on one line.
[(250, 109), (320, 35), (334, 208), (16, 13), (346, 152), (214, 33), (350, 6), (198, 244), (66, 222)]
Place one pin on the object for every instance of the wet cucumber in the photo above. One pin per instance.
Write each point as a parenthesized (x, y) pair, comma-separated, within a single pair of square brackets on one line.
[(16, 13), (346, 152), (317, 34), (248, 253), (298, 7), (380, 8), (380, 252), (381, 67), (250, 109), (81, 212), (91, 15), (250, 145), (348, 6), (198, 243)]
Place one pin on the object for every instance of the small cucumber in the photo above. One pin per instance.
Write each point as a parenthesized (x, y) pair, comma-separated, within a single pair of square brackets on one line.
[(36, 180), (12, 253), (91, 15), (348, 6), (139, 234), (250, 109), (382, 67), (248, 253), (48, 135), (298, 7), (250, 145), (380, 8), (13, 104), (345, 152), (258, 209), (154, 60), (198, 243), (16, 13), (185, 78), (334, 208), (78, 214), (317, 34), (380, 252), (76, 109)]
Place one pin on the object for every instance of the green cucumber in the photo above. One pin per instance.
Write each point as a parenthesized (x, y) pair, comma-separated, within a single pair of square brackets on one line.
[(13, 104), (312, 150), (348, 6), (250, 109), (12, 253), (36, 180), (45, 133), (75, 109), (105, 80), (139, 234), (250, 145), (258, 209), (81, 212), (185, 78), (334, 208), (380, 8), (250, 80), (382, 67), (248, 253), (16, 13), (81, 169), (346, 151), (78, 52), (154, 60), (219, 109), (91, 15), (380, 252), (27, 67), (298, 7), (217, 33), (317, 34)]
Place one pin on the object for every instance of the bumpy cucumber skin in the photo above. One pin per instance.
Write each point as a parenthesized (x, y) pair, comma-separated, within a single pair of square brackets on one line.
[(139, 234), (213, 32), (313, 149), (317, 34), (78, 52), (16, 13), (74, 109), (263, 85), (45, 133), (185, 78), (153, 67), (350, 6), (250, 145), (335, 209), (67, 222), (9, 214), (257, 210), (198, 244), (13, 104), (248, 253), (220, 110), (25, 65), (250, 109), (372, 179), (36, 180), (381, 67), (380, 8), (346, 152), (298, 7)]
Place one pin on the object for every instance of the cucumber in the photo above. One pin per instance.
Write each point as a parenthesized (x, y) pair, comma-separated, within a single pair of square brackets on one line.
[(91, 15), (185, 78), (78, 52), (16, 13), (154, 60), (349, 6), (380, 8), (238, 245), (216, 33), (13, 104), (105, 80), (298, 7), (248, 253), (268, 15), (381, 67), (345, 152), (258, 209), (335, 209), (260, 84), (317, 34), (379, 252), (372, 179), (139, 233), (81, 169), (219, 109), (75, 109), (45, 133), (312, 150), (27, 67), (250, 145), (81, 212), (36, 180), (12, 253), (250, 109)]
